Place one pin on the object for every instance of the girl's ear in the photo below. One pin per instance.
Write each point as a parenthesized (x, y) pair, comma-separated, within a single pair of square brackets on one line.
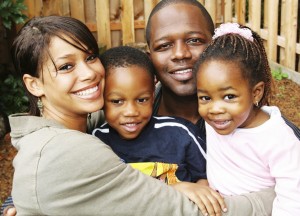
[(258, 92), (33, 85)]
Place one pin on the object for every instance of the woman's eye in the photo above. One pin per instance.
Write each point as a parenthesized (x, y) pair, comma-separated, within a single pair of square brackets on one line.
[(229, 97), (91, 57), (65, 67)]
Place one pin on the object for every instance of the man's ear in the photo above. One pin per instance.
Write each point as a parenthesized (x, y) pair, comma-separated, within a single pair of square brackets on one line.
[(258, 92), (33, 85)]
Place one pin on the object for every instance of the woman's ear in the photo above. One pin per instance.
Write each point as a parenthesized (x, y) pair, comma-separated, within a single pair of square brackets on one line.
[(33, 85), (258, 92)]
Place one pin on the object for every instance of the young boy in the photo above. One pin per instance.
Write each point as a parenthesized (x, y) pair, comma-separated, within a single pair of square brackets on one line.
[(167, 148)]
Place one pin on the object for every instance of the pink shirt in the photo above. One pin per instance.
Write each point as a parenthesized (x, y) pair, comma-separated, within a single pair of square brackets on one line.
[(252, 159)]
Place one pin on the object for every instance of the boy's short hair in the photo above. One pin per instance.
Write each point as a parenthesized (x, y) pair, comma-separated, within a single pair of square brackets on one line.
[(126, 56)]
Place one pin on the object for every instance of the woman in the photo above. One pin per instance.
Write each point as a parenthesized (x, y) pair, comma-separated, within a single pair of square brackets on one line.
[(59, 169)]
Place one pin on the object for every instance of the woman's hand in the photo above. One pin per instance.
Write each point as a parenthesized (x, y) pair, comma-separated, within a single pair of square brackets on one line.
[(10, 211), (209, 201)]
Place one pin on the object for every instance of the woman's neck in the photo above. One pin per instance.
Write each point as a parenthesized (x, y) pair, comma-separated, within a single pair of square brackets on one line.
[(78, 122), (185, 107)]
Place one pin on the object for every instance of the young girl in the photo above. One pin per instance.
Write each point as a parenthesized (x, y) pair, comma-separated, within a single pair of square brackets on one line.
[(249, 146)]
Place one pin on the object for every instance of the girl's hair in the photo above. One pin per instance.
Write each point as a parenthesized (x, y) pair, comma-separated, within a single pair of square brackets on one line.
[(30, 49), (164, 3), (250, 55)]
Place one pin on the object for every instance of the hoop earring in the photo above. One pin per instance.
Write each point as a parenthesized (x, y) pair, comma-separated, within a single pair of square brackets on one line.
[(256, 103), (40, 106)]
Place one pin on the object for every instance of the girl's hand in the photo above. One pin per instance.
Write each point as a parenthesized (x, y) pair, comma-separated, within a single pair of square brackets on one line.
[(209, 201)]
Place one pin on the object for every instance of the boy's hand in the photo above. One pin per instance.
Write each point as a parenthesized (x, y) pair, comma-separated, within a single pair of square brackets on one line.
[(209, 201)]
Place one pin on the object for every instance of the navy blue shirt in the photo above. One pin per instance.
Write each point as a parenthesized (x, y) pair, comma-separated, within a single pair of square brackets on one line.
[(164, 139)]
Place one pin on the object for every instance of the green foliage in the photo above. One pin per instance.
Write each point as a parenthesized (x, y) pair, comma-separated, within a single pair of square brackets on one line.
[(11, 12), (13, 98), (278, 74)]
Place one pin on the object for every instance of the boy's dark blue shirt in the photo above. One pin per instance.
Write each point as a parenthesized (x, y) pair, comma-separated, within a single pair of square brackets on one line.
[(164, 139)]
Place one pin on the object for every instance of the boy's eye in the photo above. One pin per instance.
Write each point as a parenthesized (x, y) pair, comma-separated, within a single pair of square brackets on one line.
[(229, 97), (116, 101)]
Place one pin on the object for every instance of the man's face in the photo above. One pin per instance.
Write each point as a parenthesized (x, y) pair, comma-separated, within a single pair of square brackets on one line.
[(178, 35)]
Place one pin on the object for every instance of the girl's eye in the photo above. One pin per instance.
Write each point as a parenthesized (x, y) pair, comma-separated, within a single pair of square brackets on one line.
[(65, 67), (142, 100), (116, 101), (229, 97), (204, 98)]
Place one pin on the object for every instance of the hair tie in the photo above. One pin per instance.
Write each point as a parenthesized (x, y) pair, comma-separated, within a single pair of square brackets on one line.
[(233, 28)]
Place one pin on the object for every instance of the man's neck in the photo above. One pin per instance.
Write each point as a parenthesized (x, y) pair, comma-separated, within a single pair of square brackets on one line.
[(185, 107)]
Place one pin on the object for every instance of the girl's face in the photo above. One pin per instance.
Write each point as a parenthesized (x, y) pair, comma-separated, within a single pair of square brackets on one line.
[(225, 99), (129, 96), (75, 87)]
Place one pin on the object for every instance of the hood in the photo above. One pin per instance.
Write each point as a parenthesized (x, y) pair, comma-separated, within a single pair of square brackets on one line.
[(24, 124)]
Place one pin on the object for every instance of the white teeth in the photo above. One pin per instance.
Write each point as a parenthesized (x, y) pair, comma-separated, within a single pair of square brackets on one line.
[(183, 71), (87, 91), (130, 124)]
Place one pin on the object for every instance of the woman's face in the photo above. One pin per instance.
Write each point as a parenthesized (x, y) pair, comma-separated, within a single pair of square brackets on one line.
[(74, 85)]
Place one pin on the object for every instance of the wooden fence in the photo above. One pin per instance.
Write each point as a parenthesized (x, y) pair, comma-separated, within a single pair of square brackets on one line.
[(116, 22)]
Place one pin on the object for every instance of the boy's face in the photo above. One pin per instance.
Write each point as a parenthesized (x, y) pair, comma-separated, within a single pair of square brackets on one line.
[(178, 35), (128, 100), (225, 99)]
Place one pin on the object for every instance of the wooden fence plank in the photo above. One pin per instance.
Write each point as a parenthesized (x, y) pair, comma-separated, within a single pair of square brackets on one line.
[(282, 30), (291, 33), (77, 9), (241, 11), (228, 11), (255, 14), (127, 20), (210, 6), (148, 6), (103, 22), (272, 29)]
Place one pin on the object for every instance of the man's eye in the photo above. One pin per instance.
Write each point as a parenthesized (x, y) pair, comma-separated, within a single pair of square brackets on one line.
[(229, 97), (163, 46), (195, 41)]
